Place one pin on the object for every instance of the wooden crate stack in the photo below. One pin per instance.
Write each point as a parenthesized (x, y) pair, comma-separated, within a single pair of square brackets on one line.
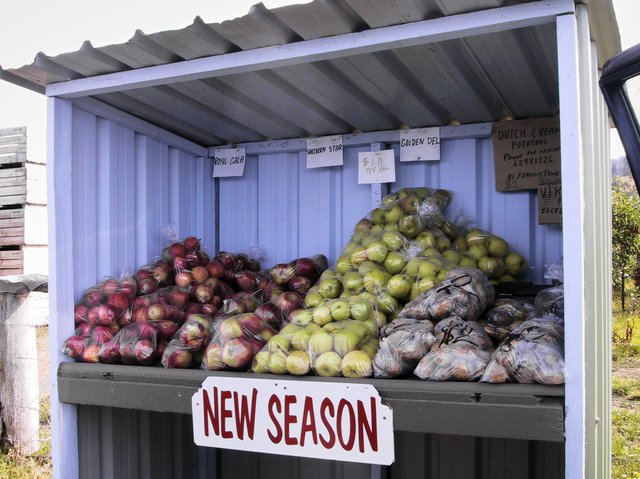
[(23, 210)]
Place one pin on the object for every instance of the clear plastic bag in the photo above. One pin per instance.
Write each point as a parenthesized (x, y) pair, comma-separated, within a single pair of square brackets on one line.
[(297, 276), (364, 308), (505, 315), (465, 292), (85, 343), (287, 352), (403, 343), (461, 352), (153, 276), (107, 303), (550, 301), (236, 340), (343, 348), (186, 348), (138, 343), (532, 353)]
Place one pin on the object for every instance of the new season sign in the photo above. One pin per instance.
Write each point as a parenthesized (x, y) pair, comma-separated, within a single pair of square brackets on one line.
[(340, 421)]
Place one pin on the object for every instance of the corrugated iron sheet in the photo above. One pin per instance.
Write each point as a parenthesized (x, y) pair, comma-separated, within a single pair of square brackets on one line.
[(476, 79)]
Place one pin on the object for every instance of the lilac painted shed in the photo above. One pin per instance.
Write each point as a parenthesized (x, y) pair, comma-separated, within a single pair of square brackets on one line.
[(131, 131)]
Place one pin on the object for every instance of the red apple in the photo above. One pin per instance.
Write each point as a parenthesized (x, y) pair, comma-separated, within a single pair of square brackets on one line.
[(100, 335), (174, 250), (145, 330), (282, 273), (120, 301), (203, 294), (184, 279), (92, 316), (143, 274), (300, 284), (177, 358), (210, 309), (90, 353), (321, 262), (288, 302), (200, 274), (179, 298), (126, 317), (144, 351), (192, 334), (140, 315), (307, 268), (83, 329), (110, 286), (271, 314), (157, 312), (194, 308), (251, 323), (81, 313), (74, 346), (227, 260), (107, 314), (202, 259), (253, 265), (237, 353), (109, 353), (229, 328), (191, 243), (161, 272), (93, 298), (213, 357), (247, 281), (147, 286), (215, 269), (166, 329)]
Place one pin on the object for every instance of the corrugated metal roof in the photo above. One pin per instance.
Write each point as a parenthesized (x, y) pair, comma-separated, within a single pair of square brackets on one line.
[(475, 79)]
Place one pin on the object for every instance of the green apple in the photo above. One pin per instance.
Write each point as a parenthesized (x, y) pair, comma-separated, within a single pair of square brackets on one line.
[(364, 225), (378, 217), (326, 274), (506, 278), (390, 198), (320, 342), (367, 296), (352, 280), (377, 251), (312, 327), (322, 314), (340, 310), (428, 269), (301, 317), (492, 267), (345, 341), (443, 243), (413, 267), (298, 363), (477, 251), (370, 347), (367, 240), (409, 205), (387, 303), (357, 364), (391, 227), (358, 236), (422, 192), (427, 239), (300, 340), (431, 253), (358, 256), (377, 230), (452, 256), (414, 293), (460, 244), (373, 328), (515, 264), (279, 342), (278, 362), (378, 318), (358, 328), (260, 363), (467, 262), (394, 263), (409, 226), (392, 240), (328, 364), (425, 284), (399, 286), (367, 266), (330, 288), (475, 237), (361, 310), (312, 300), (393, 214), (374, 281), (343, 264), (497, 247)]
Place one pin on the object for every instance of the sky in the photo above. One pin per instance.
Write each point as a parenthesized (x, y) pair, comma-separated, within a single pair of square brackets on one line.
[(31, 26)]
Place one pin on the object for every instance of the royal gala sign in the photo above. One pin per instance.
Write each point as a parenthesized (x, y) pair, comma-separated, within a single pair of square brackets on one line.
[(340, 421)]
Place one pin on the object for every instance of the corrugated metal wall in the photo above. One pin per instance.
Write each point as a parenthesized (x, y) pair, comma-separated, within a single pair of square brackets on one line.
[(292, 211), (127, 188), (125, 444)]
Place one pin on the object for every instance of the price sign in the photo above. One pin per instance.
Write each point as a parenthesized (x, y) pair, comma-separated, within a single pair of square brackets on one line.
[(420, 144), (550, 205), (324, 151), (228, 162), (376, 167)]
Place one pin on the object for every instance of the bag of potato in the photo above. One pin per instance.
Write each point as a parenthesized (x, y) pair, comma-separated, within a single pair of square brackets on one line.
[(505, 315), (532, 353), (461, 352), (550, 301), (403, 342)]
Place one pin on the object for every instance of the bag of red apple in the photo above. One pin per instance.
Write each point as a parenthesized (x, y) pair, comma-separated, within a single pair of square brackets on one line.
[(503, 317), (403, 343), (282, 310), (461, 352), (186, 348), (343, 348), (532, 353), (287, 352), (298, 276), (138, 343), (153, 276), (86, 341), (107, 303), (465, 292), (165, 304), (236, 339)]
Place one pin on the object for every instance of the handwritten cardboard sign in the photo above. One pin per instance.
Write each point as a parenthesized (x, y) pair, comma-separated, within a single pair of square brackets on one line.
[(550, 204), (340, 421), (324, 151), (376, 167), (526, 153), (420, 144), (228, 162)]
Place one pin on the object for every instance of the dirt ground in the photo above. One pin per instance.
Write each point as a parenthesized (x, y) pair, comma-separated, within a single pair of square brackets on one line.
[(42, 338)]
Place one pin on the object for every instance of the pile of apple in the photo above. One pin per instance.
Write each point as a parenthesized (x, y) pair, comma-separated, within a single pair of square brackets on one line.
[(236, 340), (186, 348)]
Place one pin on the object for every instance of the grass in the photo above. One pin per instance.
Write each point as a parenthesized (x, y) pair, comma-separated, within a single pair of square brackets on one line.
[(625, 444), (36, 466)]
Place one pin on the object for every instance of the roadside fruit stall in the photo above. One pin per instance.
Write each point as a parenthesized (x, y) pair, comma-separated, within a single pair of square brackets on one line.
[(345, 239)]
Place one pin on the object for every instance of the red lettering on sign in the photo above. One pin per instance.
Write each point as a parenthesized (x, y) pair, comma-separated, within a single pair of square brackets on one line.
[(308, 421), (289, 419), (327, 404), (225, 414), (243, 416), (371, 428), (274, 402), (210, 414), (348, 444)]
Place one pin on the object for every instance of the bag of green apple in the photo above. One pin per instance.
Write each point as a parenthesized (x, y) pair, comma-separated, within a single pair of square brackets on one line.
[(236, 339), (363, 308), (403, 343), (461, 352), (532, 353), (287, 352), (504, 316), (465, 292), (343, 348), (186, 348)]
